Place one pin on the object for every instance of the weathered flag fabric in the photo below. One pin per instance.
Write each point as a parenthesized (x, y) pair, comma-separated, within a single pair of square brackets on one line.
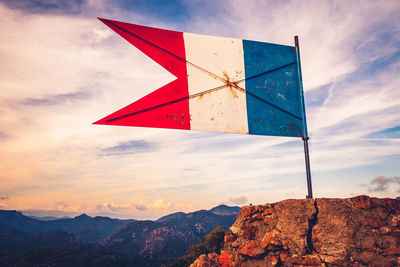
[(222, 84)]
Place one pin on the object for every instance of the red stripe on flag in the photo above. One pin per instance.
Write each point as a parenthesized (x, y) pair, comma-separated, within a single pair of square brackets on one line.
[(159, 108)]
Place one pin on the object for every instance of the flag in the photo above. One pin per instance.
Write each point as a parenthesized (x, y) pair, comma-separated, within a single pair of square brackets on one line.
[(222, 84)]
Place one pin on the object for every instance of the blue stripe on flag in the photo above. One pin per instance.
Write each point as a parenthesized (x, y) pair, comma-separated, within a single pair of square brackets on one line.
[(272, 89)]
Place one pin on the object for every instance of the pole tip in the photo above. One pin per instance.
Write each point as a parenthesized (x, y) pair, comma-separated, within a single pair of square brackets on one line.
[(296, 40)]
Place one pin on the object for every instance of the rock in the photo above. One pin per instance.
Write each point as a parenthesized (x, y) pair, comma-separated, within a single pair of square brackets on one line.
[(252, 249), (294, 217), (272, 261), (336, 226), (361, 202), (235, 244), (206, 260), (267, 211), (250, 232), (358, 231), (271, 239), (393, 204), (392, 251), (346, 229), (234, 229), (229, 238), (225, 258), (308, 260), (246, 211), (375, 222)]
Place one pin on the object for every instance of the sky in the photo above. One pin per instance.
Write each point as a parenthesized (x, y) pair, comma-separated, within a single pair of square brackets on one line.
[(62, 69)]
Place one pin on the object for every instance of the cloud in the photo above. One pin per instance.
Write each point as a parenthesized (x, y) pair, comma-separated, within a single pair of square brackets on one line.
[(381, 183), (161, 204), (106, 206), (129, 147), (3, 136), (47, 6), (219, 142), (4, 198), (59, 99), (63, 206), (359, 92), (239, 200), (140, 207)]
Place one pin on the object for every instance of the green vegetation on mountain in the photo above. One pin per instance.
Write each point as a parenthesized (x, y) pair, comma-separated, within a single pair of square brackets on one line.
[(213, 242)]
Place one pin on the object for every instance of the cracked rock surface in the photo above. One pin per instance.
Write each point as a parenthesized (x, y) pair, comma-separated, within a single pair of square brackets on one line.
[(359, 231)]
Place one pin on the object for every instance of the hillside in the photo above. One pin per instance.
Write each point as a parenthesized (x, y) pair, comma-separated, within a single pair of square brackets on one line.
[(102, 241), (168, 238), (359, 231), (89, 229)]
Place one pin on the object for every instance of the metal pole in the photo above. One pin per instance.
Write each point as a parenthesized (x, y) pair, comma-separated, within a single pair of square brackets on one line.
[(305, 134), (308, 170)]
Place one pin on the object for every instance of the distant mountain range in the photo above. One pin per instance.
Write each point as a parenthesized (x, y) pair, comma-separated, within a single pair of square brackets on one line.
[(102, 241), (88, 228), (47, 218)]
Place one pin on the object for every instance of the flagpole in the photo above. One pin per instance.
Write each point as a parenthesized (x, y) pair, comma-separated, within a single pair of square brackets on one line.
[(308, 171), (304, 134)]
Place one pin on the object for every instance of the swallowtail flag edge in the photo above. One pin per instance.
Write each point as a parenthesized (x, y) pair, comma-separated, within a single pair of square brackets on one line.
[(222, 85)]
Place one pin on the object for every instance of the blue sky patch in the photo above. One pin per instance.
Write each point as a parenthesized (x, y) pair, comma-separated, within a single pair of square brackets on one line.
[(393, 132)]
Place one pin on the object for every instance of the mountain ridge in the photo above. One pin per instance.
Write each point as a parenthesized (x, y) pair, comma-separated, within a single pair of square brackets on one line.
[(91, 229), (164, 240), (125, 242)]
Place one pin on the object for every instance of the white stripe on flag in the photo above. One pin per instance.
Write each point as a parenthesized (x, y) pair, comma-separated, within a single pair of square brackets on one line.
[(223, 109)]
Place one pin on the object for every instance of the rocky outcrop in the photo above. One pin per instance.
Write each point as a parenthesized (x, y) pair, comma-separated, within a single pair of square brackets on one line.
[(206, 260), (359, 231)]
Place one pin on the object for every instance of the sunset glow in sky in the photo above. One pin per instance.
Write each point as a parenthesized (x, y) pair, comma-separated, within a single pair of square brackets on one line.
[(62, 69)]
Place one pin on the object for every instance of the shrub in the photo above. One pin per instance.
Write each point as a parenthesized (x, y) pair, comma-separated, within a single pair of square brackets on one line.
[(213, 242)]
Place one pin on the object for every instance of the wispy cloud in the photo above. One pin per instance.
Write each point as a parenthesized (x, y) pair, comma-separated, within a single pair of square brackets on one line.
[(67, 207), (217, 142), (59, 99), (113, 207), (47, 6), (3, 136), (382, 183), (359, 92), (239, 200), (140, 207), (130, 147)]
